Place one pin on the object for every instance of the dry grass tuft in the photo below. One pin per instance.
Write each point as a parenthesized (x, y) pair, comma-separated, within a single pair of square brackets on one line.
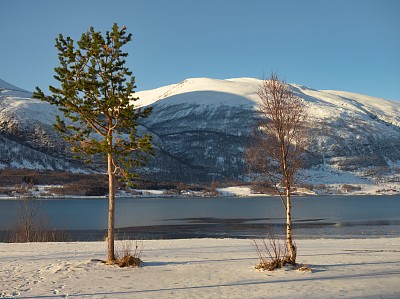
[(129, 254), (128, 261), (303, 267), (272, 254)]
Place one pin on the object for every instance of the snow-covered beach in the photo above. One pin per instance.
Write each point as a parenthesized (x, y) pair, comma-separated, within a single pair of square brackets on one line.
[(201, 268)]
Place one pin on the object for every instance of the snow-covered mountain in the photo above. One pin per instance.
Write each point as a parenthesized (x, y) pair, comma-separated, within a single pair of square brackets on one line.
[(201, 127)]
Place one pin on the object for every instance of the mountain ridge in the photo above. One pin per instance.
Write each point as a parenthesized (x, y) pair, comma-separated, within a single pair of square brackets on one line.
[(201, 127)]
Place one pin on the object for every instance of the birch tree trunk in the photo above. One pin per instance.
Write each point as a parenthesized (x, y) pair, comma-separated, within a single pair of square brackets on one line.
[(289, 241)]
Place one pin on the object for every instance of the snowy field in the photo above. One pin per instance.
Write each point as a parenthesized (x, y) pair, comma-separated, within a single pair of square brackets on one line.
[(201, 268)]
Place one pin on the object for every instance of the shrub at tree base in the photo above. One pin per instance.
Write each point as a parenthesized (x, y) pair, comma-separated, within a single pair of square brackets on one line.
[(273, 264), (128, 261), (128, 257), (272, 254)]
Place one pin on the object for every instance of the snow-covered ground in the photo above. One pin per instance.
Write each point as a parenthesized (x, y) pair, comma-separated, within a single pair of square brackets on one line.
[(201, 268), (237, 191)]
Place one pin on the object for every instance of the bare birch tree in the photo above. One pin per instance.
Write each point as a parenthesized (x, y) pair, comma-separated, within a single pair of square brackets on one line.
[(279, 140)]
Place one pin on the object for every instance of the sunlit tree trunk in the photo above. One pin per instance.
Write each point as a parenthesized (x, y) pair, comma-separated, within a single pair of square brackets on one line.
[(289, 241), (111, 207)]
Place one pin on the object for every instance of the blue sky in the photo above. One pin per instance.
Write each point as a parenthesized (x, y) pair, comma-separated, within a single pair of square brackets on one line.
[(351, 45)]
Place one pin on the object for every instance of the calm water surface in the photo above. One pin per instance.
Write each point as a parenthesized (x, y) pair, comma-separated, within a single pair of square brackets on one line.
[(314, 217)]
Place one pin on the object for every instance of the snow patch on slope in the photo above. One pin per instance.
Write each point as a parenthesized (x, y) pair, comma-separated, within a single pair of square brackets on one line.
[(204, 91), (323, 104), (29, 110)]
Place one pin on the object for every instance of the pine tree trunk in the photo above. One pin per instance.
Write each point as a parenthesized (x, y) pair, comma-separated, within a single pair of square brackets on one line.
[(111, 211), (289, 242)]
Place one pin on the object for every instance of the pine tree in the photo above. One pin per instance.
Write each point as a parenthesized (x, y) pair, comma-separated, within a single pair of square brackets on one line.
[(95, 96)]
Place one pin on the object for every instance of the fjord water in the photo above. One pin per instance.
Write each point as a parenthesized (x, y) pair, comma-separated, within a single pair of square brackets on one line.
[(313, 217)]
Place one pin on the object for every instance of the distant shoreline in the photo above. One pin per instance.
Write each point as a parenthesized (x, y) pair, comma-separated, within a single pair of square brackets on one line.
[(239, 191)]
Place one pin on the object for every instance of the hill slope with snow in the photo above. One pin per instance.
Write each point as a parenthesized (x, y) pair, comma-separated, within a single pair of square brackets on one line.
[(201, 127), (7, 89), (27, 137)]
